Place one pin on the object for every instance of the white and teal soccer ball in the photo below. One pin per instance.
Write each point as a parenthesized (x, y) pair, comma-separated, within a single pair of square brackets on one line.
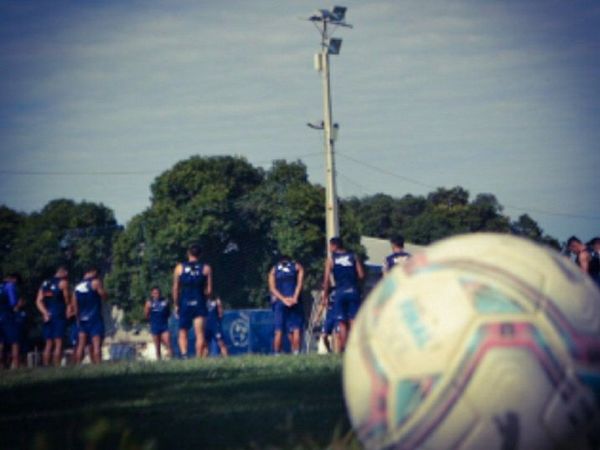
[(482, 341)]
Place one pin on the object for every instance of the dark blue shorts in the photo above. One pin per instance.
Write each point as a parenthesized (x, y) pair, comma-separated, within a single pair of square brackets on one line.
[(213, 332), (347, 303), (295, 318), (157, 328), (92, 327), (9, 331), (280, 315), (187, 314), (54, 328)]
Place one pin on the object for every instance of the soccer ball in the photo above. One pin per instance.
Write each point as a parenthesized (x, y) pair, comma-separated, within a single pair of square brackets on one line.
[(482, 341)]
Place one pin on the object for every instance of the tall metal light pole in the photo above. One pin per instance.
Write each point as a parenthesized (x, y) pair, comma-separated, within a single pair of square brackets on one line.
[(326, 21)]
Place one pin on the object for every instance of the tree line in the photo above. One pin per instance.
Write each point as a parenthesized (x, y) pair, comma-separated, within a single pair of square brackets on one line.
[(243, 217)]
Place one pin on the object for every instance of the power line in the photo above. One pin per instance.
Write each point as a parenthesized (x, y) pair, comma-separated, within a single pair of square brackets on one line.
[(517, 208), (62, 173)]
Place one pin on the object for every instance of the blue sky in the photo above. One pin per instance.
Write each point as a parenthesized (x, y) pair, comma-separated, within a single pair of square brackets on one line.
[(97, 98)]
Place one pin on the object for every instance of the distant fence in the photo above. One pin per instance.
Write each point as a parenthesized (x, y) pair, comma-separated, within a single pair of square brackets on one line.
[(244, 331)]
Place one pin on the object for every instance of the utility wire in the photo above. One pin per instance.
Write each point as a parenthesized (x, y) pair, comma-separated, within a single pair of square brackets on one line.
[(517, 208)]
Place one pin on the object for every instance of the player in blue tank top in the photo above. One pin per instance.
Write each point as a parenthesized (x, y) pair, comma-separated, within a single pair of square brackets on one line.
[(594, 263), (53, 299), (286, 280), (89, 294), (192, 285), (347, 272), (329, 330), (10, 304), (398, 256), (214, 329), (157, 311)]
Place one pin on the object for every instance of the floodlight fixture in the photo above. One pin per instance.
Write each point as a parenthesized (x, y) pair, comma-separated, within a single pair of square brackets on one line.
[(335, 16), (320, 125), (334, 46)]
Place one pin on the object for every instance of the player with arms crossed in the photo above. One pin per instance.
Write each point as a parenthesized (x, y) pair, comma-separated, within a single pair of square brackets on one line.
[(89, 294), (285, 285), (347, 273), (52, 301), (192, 285), (157, 311)]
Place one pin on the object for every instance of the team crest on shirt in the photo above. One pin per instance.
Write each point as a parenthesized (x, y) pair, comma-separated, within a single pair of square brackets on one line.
[(344, 261), (82, 288)]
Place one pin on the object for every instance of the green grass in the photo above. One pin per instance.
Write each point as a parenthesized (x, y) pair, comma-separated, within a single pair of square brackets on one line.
[(251, 402)]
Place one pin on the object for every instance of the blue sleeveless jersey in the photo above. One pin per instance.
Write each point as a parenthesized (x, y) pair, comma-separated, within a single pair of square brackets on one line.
[(89, 302), (54, 300), (159, 312), (396, 258), (286, 277), (344, 270), (192, 282), (9, 296)]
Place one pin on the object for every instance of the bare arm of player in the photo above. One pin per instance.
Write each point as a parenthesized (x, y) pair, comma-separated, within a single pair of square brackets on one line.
[(64, 287), (98, 286), (327, 277), (360, 272), (39, 302), (175, 287), (147, 309), (71, 306), (208, 287), (273, 288), (219, 308), (299, 282)]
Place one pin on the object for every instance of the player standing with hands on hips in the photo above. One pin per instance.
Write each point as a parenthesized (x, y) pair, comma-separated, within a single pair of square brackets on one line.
[(347, 273), (192, 285), (89, 294), (53, 299)]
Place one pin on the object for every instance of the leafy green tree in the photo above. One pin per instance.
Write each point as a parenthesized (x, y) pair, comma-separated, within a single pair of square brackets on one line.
[(10, 223), (63, 232), (196, 201)]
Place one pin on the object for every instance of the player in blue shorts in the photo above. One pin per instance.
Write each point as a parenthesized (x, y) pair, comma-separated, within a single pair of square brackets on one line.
[(214, 329), (347, 272), (286, 279), (192, 285), (329, 329), (53, 299), (157, 311), (398, 256), (89, 294), (10, 304)]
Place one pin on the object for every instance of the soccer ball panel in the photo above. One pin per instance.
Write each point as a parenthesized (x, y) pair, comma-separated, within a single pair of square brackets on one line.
[(474, 338)]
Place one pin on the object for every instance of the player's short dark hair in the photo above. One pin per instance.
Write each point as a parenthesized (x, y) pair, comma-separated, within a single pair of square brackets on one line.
[(573, 239), (593, 241), (194, 250), (92, 268), (397, 240), (154, 287), (337, 241)]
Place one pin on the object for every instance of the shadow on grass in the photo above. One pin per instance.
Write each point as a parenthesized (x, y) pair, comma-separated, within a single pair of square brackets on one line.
[(222, 406)]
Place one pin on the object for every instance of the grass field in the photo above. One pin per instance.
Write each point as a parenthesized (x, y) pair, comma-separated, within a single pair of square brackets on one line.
[(250, 402)]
